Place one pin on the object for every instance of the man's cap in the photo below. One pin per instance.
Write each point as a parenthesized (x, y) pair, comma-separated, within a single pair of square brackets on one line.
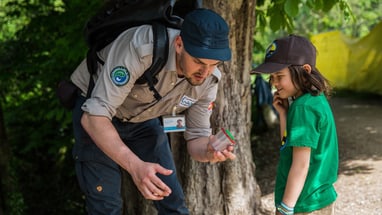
[(205, 35), (287, 51)]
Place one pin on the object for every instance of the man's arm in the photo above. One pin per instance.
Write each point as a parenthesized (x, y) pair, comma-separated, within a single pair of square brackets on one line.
[(201, 150), (103, 133)]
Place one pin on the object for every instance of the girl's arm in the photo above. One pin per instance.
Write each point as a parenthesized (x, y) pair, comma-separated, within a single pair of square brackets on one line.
[(281, 105), (297, 175)]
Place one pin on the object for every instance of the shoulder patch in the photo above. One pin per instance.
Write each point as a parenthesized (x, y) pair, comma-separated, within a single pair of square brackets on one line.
[(120, 75)]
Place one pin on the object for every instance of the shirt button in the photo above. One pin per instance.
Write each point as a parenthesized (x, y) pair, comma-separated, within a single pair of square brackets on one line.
[(172, 83), (135, 96), (149, 110)]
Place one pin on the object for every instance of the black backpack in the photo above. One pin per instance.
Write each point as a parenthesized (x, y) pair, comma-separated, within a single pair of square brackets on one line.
[(118, 15)]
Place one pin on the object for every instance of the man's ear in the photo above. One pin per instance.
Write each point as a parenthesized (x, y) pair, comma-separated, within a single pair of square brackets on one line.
[(307, 68), (178, 43)]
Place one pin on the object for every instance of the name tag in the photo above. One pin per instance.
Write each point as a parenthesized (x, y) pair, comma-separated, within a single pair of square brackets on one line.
[(174, 123)]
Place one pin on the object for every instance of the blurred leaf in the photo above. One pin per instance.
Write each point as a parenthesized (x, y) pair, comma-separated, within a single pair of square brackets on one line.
[(291, 7)]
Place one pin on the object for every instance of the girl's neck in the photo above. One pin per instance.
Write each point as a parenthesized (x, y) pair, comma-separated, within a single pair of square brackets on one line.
[(298, 94)]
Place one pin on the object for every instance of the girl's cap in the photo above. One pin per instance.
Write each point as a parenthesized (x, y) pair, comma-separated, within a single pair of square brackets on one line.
[(287, 51)]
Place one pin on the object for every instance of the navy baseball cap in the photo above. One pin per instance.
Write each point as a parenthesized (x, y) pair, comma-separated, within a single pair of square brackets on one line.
[(287, 51), (205, 35)]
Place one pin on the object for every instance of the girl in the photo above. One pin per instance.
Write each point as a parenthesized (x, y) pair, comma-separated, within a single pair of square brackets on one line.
[(308, 162)]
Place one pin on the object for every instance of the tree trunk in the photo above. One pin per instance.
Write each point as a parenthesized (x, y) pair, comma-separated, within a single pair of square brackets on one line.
[(229, 187)]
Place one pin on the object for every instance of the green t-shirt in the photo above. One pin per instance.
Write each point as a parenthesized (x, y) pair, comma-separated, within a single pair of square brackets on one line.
[(310, 123)]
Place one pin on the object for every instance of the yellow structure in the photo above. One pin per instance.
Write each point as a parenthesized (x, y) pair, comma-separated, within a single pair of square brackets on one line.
[(351, 64)]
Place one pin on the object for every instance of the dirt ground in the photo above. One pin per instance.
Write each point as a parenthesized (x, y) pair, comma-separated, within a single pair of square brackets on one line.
[(359, 186)]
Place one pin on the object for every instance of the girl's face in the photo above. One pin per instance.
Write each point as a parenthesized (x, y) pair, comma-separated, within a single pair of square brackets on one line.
[(283, 83)]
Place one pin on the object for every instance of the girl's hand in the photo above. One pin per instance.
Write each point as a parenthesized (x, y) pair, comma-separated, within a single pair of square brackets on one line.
[(281, 105)]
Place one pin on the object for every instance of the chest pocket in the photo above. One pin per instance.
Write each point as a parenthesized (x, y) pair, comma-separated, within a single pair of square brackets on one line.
[(142, 94)]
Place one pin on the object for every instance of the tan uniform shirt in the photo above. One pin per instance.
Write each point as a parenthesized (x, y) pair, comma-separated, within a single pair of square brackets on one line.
[(132, 53)]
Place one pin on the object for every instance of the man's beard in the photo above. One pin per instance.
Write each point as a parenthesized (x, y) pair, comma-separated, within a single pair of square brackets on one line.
[(189, 80)]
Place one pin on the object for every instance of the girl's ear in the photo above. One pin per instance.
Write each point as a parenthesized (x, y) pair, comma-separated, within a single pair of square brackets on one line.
[(307, 68)]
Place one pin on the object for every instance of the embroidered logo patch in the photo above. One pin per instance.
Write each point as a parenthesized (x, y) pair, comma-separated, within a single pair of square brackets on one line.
[(120, 76), (271, 49), (186, 101)]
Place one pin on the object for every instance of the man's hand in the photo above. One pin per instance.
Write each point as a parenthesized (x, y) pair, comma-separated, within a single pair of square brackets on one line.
[(201, 150), (145, 177), (219, 156), (144, 174)]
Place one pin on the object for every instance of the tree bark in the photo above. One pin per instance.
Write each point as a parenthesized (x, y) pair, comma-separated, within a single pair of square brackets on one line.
[(229, 187)]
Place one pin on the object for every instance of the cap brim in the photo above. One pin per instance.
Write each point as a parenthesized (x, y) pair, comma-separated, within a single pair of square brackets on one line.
[(208, 53), (269, 68)]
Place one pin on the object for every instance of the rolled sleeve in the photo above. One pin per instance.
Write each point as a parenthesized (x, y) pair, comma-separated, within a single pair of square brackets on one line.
[(198, 115), (95, 106), (192, 133)]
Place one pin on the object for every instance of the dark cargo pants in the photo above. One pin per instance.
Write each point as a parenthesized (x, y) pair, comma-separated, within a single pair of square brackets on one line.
[(99, 177)]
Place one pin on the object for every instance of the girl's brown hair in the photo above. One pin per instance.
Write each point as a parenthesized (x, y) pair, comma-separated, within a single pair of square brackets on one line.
[(313, 82)]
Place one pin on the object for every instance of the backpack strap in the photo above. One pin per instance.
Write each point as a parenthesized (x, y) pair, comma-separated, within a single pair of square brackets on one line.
[(159, 59), (160, 55), (92, 65)]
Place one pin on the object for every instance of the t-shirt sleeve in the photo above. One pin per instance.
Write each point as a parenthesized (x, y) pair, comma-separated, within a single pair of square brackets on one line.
[(198, 115), (303, 127)]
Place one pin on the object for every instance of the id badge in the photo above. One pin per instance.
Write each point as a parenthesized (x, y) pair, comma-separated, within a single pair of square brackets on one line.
[(174, 123)]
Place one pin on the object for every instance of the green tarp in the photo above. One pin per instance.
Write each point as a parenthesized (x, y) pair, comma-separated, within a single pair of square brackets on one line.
[(351, 64)]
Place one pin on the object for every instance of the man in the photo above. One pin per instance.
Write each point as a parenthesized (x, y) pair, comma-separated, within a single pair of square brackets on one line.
[(120, 125), (179, 123)]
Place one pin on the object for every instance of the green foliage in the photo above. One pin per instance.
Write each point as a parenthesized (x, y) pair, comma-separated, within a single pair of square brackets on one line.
[(291, 7), (17, 204), (281, 14), (276, 18), (41, 42)]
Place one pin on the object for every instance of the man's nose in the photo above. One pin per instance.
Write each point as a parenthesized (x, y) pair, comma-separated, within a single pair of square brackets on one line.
[(205, 68)]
